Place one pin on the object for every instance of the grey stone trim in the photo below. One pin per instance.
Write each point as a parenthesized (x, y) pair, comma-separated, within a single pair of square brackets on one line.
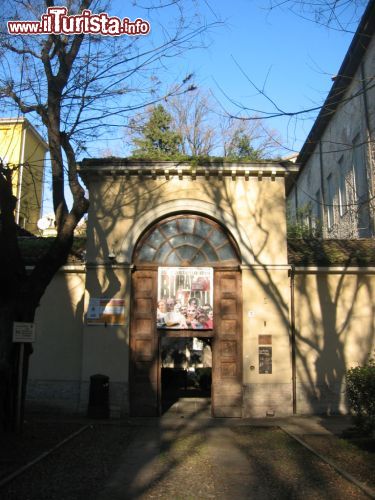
[(267, 399), (54, 396), (321, 400), (72, 396)]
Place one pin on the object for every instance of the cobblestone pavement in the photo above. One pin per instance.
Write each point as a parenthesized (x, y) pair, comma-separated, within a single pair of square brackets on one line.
[(190, 460), (186, 456)]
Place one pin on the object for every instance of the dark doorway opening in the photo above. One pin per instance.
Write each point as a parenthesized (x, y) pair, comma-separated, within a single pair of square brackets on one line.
[(186, 374)]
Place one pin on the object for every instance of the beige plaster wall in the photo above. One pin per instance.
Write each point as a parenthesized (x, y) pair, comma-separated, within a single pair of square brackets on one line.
[(106, 348), (266, 296), (56, 363), (122, 209), (334, 308), (335, 330), (253, 210)]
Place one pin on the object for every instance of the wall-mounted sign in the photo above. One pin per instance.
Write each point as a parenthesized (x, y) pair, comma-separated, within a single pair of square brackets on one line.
[(23, 332), (265, 360), (185, 298), (265, 339), (103, 311)]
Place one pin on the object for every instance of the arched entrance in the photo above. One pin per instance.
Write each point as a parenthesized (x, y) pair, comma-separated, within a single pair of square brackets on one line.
[(197, 259)]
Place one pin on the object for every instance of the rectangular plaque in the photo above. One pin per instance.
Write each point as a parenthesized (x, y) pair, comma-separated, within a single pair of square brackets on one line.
[(23, 332), (265, 360), (104, 311), (265, 339)]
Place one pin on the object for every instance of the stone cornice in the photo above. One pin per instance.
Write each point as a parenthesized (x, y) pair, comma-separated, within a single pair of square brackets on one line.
[(120, 167)]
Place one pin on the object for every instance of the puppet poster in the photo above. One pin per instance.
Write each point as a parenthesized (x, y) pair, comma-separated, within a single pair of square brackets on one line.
[(185, 298)]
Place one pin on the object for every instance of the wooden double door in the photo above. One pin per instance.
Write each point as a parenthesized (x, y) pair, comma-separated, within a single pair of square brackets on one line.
[(145, 363)]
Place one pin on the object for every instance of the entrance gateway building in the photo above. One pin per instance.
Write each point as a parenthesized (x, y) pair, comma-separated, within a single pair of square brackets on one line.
[(230, 218), (186, 280)]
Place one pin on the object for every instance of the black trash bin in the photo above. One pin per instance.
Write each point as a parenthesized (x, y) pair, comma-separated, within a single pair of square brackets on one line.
[(99, 396)]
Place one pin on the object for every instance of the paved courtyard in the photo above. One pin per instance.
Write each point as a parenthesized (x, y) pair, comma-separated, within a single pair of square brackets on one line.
[(204, 459), (188, 455)]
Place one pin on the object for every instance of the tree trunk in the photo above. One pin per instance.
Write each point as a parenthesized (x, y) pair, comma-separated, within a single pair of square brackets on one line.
[(8, 368)]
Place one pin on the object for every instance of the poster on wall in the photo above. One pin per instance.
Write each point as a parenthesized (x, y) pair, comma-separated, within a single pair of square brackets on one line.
[(185, 298), (103, 311), (265, 360)]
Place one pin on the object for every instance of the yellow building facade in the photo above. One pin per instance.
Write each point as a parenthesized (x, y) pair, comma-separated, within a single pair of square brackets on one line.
[(22, 148)]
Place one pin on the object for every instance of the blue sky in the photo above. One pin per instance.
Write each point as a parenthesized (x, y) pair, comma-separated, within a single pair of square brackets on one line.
[(292, 57)]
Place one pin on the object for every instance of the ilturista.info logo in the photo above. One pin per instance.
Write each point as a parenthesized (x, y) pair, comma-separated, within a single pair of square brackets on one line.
[(56, 21)]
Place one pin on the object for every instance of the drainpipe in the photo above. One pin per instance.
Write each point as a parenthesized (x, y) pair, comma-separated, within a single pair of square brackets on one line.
[(293, 337), (20, 175)]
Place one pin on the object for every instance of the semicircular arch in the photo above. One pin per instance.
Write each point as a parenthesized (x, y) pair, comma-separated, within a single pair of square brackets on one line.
[(186, 240), (179, 207)]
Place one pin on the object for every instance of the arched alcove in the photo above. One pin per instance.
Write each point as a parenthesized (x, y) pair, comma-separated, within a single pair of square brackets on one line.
[(186, 240), (211, 212)]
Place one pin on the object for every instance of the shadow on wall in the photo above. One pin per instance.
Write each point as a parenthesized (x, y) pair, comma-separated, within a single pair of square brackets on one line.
[(321, 381), (55, 365), (334, 332), (325, 327), (223, 199), (343, 317)]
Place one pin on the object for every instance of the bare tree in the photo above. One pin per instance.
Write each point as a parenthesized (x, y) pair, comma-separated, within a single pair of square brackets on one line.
[(339, 15), (193, 118), (75, 87), (205, 130), (262, 139)]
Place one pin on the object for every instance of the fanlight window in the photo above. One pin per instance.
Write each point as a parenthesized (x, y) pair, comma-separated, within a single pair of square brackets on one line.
[(186, 241)]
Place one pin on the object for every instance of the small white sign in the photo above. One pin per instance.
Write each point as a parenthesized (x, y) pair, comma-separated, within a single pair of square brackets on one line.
[(23, 332), (251, 314)]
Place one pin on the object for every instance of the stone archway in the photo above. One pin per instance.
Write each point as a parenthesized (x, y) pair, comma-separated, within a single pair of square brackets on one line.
[(192, 241)]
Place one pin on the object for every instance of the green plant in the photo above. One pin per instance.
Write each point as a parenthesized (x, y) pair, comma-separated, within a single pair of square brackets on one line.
[(360, 390), (303, 225), (157, 139)]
